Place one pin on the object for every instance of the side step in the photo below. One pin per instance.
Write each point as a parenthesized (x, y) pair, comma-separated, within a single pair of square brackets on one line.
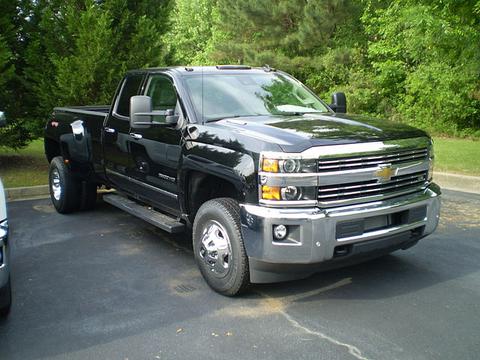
[(162, 221)]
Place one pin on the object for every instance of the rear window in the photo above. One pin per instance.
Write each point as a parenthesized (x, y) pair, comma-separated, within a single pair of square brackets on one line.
[(130, 88)]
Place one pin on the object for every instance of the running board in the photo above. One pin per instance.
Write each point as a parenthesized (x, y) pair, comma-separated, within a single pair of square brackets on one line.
[(162, 221)]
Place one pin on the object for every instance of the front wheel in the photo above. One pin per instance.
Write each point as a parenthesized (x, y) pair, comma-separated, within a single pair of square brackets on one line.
[(218, 246)]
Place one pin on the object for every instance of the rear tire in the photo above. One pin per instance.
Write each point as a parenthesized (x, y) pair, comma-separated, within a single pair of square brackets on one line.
[(218, 246), (65, 190), (6, 299)]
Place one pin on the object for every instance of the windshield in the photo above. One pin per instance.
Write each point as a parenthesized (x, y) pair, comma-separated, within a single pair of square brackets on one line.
[(249, 94)]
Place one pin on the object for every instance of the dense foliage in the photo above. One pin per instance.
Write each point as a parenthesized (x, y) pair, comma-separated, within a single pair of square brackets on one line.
[(411, 61)]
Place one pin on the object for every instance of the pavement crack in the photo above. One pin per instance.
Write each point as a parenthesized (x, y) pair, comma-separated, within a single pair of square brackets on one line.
[(280, 307), (353, 350)]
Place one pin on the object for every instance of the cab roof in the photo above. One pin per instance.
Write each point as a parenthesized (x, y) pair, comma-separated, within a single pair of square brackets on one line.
[(217, 69)]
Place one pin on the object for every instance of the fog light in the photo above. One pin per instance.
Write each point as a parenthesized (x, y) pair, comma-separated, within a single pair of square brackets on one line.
[(290, 193), (280, 232)]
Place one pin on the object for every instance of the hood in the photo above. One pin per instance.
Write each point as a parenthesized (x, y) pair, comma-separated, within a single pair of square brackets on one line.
[(295, 134)]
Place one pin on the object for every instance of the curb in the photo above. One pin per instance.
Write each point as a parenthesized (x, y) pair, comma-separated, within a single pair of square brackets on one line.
[(28, 192), (464, 183)]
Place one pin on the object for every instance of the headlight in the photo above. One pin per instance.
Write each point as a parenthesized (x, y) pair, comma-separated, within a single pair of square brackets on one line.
[(287, 181), (288, 193), (289, 166)]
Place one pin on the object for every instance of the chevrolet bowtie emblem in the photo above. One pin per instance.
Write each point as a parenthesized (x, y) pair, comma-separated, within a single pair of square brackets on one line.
[(384, 173)]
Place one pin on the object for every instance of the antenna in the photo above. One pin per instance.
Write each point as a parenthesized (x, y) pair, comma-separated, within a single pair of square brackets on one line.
[(203, 117)]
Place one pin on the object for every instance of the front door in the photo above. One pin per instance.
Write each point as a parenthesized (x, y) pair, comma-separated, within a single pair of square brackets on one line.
[(156, 151)]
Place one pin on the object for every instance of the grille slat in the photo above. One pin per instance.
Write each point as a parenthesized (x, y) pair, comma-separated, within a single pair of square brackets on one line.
[(373, 183), (369, 190), (377, 189), (372, 161)]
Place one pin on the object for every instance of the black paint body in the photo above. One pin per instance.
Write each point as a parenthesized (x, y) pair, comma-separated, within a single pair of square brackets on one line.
[(158, 168)]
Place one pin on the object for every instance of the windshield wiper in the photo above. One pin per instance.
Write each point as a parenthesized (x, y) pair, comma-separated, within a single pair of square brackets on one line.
[(300, 113), (231, 117)]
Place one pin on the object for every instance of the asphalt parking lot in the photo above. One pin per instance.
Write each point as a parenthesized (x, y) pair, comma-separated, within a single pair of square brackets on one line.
[(105, 285)]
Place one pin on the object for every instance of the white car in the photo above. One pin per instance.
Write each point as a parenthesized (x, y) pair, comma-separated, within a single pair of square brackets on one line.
[(5, 287)]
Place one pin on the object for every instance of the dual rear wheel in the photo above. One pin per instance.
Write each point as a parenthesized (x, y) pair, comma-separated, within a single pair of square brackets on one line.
[(67, 192)]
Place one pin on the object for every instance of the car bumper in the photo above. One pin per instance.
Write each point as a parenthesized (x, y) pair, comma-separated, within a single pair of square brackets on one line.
[(4, 258), (326, 238)]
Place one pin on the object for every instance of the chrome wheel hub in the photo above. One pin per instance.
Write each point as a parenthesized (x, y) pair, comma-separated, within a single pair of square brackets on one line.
[(56, 185), (215, 248)]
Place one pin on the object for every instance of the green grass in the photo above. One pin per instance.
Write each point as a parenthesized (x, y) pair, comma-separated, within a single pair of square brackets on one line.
[(459, 156), (29, 167), (26, 167)]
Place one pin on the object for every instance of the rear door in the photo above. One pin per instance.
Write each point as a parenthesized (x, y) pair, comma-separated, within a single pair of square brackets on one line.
[(156, 150), (116, 135)]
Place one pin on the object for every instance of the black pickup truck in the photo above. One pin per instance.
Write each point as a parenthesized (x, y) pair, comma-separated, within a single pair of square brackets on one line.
[(273, 183)]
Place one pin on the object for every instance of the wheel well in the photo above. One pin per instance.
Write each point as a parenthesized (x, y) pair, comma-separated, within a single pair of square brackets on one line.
[(203, 187), (52, 149)]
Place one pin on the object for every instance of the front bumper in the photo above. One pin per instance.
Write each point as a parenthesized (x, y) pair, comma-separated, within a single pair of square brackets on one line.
[(325, 238)]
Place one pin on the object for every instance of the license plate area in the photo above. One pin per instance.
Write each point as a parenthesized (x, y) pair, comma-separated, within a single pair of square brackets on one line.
[(345, 229)]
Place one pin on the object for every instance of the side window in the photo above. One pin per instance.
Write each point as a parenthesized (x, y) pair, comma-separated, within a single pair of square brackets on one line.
[(162, 92), (130, 88)]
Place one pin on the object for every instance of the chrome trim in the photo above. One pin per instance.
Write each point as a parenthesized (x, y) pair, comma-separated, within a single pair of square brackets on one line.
[(336, 177), (136, 136), (351, 150), (364, 199), (289, 203), (391, 182), (386, 159), (164, 192), (109, 130), (366, 174), (369, 235), (215, 248), (56, 185), (317, 228), (403, 157), (166, 177)]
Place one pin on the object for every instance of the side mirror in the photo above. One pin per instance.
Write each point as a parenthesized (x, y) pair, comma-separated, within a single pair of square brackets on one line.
[(140, 109), (3, 119), (170, 117), (339, 102), (141, 113)]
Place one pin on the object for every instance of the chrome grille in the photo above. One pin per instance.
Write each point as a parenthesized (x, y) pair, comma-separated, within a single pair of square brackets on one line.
[(355, 192), (352, 163)]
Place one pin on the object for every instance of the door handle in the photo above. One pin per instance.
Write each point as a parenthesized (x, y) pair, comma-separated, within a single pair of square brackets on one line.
[(109, 130), (136, 136)]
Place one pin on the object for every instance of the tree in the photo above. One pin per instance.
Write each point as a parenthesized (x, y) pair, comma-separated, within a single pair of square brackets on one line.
[(426, 61)]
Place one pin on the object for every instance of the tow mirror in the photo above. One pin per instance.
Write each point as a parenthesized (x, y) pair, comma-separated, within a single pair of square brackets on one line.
[(339, 102), (170, 117), (141, 113), (3, 119)]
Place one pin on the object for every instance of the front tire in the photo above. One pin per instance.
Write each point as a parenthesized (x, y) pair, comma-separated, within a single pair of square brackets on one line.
[(65, 190), (218, 246)]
